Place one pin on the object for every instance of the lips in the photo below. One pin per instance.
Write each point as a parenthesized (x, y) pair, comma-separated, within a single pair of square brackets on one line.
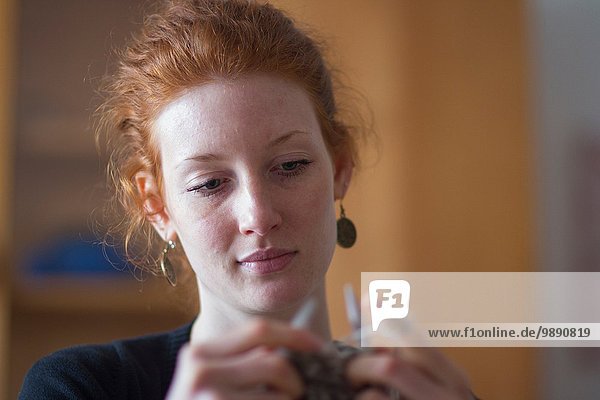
[(266, 261)]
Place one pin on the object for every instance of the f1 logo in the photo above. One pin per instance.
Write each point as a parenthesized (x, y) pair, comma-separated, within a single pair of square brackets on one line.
[(389, 299)]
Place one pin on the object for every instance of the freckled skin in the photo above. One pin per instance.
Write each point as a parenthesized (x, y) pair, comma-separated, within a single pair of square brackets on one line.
[(232, 188), (245, 168)]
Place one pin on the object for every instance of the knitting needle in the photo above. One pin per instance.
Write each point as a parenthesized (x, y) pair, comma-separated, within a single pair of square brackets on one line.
[(303, 316), (352, 312)]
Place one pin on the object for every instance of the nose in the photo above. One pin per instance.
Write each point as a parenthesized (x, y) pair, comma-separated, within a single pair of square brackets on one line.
[(256, 211)]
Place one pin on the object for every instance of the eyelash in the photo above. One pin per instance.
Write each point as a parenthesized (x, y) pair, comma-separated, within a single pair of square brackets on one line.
[(299, 167), (199, 189)]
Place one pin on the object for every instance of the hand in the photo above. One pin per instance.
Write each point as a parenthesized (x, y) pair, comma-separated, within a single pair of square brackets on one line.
[(245, 364), (416, 373)]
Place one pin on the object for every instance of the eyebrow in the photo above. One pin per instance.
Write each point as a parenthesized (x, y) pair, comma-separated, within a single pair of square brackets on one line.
[(284, 138), (274, 143)]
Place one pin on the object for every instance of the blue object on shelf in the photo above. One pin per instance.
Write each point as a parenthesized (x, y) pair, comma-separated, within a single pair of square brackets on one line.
[(75, 256)]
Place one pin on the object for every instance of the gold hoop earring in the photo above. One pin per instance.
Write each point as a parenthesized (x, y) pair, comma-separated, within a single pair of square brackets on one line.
[(346, 231), (166, 267)]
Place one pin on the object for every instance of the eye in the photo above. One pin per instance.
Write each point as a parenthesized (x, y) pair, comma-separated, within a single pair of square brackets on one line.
[(290, 165), (208, 188), (212, 184), (292, 168)]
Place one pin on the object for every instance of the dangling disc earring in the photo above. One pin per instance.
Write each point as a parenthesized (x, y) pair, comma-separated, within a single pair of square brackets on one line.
[(346, 231), (165, 264)]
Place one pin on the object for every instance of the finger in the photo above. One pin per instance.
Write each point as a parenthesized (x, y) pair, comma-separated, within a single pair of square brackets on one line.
[(390, 371), (434, 363), (372, 394), (229, 395), (256, 368), (259, 333), (182, 386)]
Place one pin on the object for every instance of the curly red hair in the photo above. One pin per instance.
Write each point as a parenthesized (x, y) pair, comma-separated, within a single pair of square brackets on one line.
[(188, 43)]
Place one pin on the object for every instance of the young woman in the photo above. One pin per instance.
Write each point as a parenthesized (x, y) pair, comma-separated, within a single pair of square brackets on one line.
[(228, 148)]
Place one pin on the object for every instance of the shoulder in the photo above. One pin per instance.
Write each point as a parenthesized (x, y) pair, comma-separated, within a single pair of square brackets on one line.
[(138, 368), (83, 372)]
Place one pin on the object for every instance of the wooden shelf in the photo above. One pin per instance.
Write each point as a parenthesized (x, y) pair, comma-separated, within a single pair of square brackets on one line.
[(100, 295)]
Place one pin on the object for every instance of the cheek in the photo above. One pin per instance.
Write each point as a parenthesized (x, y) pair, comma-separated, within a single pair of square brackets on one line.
[(318, 217), (323, 200), (204, 235)]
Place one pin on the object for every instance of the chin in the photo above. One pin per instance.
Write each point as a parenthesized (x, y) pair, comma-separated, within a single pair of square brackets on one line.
[(280, 297)]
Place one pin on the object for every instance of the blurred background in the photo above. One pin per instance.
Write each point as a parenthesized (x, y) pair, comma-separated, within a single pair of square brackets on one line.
[(488, 117)]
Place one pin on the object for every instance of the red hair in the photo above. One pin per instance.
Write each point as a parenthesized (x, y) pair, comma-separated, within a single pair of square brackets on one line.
[(188, 43)]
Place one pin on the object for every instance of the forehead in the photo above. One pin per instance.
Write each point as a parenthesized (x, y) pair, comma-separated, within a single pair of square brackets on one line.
[(251, 105)]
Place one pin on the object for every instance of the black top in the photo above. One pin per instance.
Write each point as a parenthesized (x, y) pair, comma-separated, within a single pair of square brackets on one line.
[(132, 369)]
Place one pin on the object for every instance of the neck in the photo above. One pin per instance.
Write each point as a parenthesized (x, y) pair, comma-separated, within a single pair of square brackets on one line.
[(218, 318)]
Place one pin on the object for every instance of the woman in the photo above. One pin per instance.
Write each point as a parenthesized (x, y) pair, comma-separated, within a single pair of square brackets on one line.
[(228, 148)]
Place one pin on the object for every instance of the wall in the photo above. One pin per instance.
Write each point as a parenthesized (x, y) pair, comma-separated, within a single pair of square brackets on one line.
[(470, 162), (7, 12)]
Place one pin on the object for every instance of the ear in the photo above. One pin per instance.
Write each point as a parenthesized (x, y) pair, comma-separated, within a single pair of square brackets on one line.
[(154, 206), (343, 168)]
